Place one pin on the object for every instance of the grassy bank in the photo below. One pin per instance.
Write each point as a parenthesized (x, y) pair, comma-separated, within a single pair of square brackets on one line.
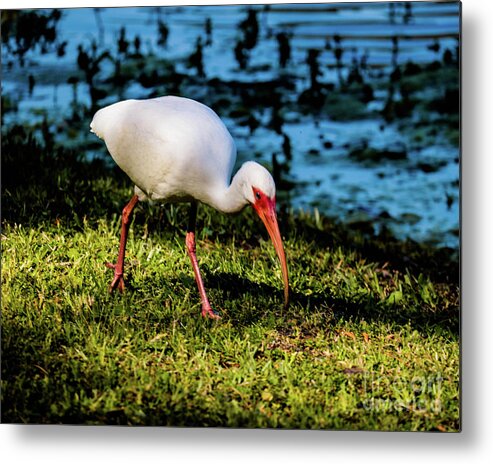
[(370, 341)]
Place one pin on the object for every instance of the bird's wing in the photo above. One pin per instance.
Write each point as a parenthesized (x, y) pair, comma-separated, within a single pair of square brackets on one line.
[(169, 146)]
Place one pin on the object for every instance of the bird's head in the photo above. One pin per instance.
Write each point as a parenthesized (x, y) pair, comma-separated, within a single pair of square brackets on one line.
[(260, 191)]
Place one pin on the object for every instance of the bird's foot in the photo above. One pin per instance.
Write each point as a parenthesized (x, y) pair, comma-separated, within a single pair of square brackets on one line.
[(208, 312), (117, 281)]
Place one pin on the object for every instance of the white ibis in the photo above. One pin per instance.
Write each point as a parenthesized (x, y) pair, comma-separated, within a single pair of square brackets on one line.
[(178, 150)]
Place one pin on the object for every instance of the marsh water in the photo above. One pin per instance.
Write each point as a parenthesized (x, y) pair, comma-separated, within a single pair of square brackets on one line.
[(354, 107)]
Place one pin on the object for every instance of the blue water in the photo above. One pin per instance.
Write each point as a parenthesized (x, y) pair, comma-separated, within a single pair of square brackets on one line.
[(331, 182)]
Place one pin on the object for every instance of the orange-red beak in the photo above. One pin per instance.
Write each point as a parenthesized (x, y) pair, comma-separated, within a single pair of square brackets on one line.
[(266, 210)]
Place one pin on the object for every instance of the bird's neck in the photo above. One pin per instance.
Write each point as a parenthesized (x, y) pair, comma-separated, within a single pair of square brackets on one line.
[(231, 199)]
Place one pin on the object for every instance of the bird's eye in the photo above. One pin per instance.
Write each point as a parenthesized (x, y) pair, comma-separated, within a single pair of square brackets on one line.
[(258, 196)]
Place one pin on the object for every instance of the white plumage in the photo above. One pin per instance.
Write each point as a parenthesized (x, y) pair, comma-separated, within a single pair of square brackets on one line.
[(177, 149)]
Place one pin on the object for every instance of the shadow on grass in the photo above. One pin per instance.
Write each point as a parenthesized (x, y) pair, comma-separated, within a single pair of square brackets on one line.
[(41, 185), (333, 308)]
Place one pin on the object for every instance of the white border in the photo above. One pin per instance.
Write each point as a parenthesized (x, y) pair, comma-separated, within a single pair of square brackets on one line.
[(474, 445)]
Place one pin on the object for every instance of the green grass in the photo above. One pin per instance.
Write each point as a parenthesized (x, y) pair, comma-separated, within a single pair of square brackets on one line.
[(370, 340)]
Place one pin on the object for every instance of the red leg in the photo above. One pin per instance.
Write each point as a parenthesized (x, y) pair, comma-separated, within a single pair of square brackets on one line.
[(190, 243), (126, 217)]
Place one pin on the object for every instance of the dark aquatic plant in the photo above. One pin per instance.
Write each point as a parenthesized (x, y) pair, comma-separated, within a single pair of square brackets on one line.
[(395, 50), (314, 66), (249, 27), (249, 30), (241, 54), (163, 33), (196, 59), (123, 43), (27, 30), (32, 82), (284, 48), (286, 147), (137, 43), (208, 32), (89, 62), (408, 13), (338, 52)]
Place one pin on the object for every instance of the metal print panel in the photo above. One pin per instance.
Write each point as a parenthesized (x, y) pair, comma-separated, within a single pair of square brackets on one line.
[(130, 293)]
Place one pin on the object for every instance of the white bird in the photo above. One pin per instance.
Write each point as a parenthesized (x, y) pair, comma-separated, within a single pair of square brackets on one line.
[(176, 149)]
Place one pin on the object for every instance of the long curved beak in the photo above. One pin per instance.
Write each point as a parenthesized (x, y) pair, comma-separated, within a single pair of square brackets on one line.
[(266, 210)]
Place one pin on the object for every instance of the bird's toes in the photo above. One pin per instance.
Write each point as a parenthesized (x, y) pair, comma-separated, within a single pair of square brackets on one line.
[(110, 265), (209, 313), (117, 283)]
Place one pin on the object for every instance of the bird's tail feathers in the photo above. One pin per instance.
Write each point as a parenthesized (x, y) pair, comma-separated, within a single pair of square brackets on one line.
[(97, 125)]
